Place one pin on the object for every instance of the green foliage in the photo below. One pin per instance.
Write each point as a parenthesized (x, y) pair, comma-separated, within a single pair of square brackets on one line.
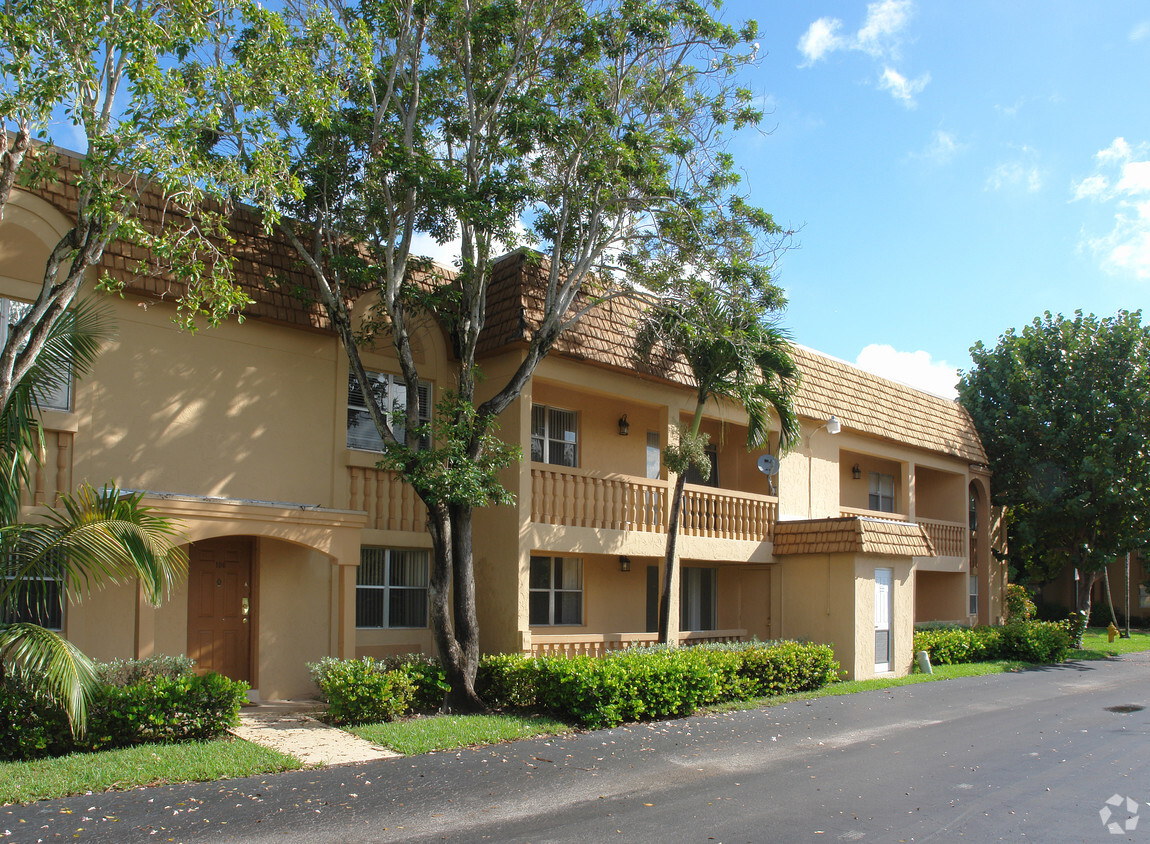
[(1075, 627), (507, 681), (1019, 605), (954, 645), (428, 679), (360, 691), (654, 683), (1063, 409), (1035, 641), (1026, 641), (157, 700)]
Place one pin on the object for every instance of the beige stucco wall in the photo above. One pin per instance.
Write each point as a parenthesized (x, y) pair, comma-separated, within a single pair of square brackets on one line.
[(829, 598), (941, 596)]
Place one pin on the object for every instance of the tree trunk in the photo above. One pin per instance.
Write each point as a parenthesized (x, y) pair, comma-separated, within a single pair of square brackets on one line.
[(669, 560), (1109, 597), (1086, 591), (462, 696)]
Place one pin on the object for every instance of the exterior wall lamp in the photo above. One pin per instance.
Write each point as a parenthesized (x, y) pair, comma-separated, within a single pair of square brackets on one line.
[(624, 564), (856, 472), (624, 426)]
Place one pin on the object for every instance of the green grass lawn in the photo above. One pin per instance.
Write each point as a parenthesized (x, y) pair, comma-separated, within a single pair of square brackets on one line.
[(147, 764), (1096, 644), (444, 732)]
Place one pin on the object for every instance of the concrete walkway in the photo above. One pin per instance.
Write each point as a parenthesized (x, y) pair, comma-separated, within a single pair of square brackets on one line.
[(289, 727)]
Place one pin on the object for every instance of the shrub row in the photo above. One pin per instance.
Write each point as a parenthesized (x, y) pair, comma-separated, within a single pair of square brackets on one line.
[(630, 685), (136, 701), (1028, 641)]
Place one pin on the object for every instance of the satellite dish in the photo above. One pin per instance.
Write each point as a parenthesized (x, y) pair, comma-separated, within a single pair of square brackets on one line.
[(768, 464)]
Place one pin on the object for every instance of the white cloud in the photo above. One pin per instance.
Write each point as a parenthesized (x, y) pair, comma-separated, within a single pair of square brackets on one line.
[(1140, 31), (819, 39), (885, 20), (1020, 174), (917, 369), (880, 37), (1121, 181), (942, 148), (901, 88)]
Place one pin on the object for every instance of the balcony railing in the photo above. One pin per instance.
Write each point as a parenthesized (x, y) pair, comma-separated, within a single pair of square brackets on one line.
[(598, 644), (949, 538), (390, 503), (52, 475), (577, 498)]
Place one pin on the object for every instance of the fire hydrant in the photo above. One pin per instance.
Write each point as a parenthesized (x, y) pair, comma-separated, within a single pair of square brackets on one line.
[(1112, 631)]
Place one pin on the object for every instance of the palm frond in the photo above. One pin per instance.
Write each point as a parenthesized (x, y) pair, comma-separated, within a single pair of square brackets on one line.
[(51, 662)]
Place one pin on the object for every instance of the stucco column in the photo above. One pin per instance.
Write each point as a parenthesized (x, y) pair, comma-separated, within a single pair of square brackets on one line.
[(145, 632), (908, 479), (343, 576)]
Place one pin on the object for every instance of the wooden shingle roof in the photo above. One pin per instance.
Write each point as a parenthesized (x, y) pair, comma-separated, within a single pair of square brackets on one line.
[(852, 535), (271, 274)]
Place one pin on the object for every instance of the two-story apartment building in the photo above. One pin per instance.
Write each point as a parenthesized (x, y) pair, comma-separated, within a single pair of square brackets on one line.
[(253, 437)]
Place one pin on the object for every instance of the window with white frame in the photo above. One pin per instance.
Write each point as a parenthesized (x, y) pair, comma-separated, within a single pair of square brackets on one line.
[(391, 588), (881, 492), (391, 393), (58, 396), (38, 597), (697, 598), (554, 436), (556, 591), (654, 456), (972, 579)]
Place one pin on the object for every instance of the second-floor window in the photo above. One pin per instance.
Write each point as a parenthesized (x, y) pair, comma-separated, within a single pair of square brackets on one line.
[(694, 476), (554, 436), (391, 588), (391, 393), (58, 397), (881, 492)]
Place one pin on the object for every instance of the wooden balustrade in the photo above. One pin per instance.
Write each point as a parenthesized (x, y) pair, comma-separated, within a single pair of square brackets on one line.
[(578, 498), (600, 644), (51, 476), (727, 515), (949, 538), (390, 503)]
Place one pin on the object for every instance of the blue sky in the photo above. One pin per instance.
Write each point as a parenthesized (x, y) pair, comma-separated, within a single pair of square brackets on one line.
[(955, 170)]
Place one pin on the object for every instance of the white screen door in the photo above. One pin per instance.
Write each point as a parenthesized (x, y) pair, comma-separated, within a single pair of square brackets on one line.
[(883, 578)]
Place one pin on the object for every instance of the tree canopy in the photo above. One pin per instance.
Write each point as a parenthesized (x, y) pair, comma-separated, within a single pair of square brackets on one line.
[(1063, 409), (582, 131)]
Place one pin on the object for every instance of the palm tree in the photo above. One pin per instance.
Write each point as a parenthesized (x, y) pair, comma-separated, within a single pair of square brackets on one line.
[(92, 538), (733, 352)]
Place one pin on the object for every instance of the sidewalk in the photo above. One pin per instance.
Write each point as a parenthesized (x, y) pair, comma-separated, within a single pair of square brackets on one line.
[(288, 726)]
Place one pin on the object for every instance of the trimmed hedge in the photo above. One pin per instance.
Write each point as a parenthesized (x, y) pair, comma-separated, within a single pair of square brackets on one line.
[(1027, 641), (631, 685), (156, 700), (361, 691)]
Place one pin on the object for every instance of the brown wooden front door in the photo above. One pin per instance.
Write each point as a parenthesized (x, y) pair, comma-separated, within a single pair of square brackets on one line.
[(219, 606)]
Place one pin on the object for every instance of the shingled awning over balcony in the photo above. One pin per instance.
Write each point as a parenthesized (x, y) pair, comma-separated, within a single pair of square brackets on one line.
[(852, 535)]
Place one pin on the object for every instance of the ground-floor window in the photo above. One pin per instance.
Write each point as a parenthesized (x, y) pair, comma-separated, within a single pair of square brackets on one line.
[(556, 587), (391, 588), (37, 599), (697, 598), (973, 588)]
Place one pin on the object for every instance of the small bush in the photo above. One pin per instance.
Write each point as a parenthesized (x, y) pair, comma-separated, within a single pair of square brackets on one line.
[(1019, 606), (506, 681), (952, 645), (427, 676), (136, 701), (361, 691), (1035, 641)]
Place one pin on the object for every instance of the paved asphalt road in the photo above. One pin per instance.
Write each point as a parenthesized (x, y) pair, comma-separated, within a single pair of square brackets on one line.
[(1032, 756)]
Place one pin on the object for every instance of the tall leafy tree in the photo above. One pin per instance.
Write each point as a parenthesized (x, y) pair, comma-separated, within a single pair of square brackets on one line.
[(138, 85), (93, 537), (577, 129), (1063, 409)]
